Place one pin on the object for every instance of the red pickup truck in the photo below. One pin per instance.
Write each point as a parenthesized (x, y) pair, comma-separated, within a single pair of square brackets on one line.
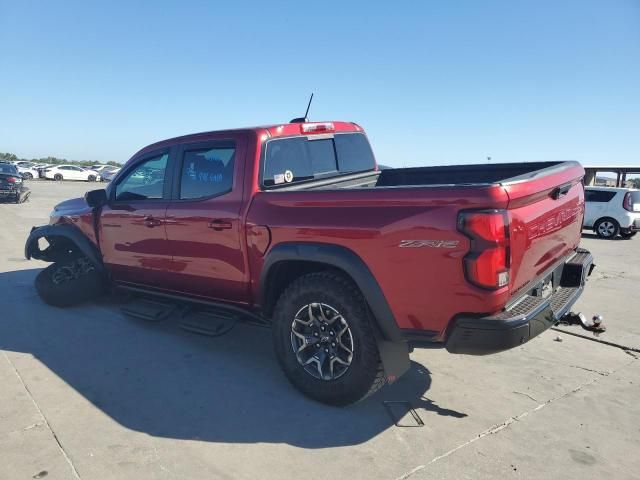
[(352, 266)]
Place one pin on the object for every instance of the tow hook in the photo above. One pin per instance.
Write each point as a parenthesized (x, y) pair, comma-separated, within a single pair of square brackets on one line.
[(594, 325)]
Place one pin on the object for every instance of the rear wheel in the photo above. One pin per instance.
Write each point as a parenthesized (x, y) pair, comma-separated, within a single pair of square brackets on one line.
[(57, 176), (69, 282), (607, 228), (324, 341), (27, 176), (627, 233)]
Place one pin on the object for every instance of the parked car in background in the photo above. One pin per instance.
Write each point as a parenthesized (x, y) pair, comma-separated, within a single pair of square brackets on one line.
[(612, 211), (24, 164), (71, 172), (108, 175), (101, 168), (11, 184), (27, 170), (42, 167)]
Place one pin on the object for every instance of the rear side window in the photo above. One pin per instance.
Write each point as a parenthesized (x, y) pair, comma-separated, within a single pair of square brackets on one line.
[(207, 172), (599, 196), (296, 159)]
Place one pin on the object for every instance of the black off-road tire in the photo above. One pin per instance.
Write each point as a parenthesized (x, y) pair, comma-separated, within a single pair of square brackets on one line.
[(80, 282), (58, 177), (365, 374)]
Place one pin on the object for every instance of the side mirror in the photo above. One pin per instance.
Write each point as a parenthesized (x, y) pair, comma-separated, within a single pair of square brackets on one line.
[(96, 198)]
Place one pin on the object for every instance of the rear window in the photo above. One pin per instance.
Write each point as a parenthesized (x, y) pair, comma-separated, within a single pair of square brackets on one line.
[(296, 159), (599, 196), (8, 168), (635, 197)]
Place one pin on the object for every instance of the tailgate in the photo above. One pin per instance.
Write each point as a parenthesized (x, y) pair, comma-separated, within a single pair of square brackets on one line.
[(546, 213)]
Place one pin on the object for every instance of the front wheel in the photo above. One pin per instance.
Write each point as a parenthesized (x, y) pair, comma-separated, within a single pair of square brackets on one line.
[(324, 341), (607, 228), (27, 176), (91, 178), (69, 282), (57, 177)]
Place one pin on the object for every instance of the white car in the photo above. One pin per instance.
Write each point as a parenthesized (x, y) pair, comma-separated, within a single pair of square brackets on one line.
[(612, 211), (71, 172), (27, 170)]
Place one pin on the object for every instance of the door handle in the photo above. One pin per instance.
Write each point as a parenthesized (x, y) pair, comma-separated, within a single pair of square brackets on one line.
[(152, 222), (220, 225), (561, 191)]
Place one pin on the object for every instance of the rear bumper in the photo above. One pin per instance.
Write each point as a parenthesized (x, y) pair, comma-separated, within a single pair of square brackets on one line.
[(9, 192), (527, 318)]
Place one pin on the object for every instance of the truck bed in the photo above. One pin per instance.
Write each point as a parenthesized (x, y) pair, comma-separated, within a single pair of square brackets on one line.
[(450, 176), (373, 213)]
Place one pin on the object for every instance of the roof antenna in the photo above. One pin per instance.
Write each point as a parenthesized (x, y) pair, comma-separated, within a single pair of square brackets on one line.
[(303, 119)]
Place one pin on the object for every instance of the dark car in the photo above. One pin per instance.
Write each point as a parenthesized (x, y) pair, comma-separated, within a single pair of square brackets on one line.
[(11, 184)]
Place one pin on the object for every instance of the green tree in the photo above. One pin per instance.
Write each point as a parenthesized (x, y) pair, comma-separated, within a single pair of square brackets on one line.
[(8, 157), (635, 182)]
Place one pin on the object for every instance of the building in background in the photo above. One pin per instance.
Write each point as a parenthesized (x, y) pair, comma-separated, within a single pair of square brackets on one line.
[(608, 176)]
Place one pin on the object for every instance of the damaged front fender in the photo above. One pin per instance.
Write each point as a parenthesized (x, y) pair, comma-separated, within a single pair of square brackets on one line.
[(63, 240)]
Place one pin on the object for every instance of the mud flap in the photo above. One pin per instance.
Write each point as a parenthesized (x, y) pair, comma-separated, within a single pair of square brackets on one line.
[(395, 359)]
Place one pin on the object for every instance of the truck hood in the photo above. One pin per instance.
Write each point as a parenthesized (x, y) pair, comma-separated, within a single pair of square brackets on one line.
[(72, 207)]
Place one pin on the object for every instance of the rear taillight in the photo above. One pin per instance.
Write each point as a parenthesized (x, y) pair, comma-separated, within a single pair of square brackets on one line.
[(627, 203), (489, 259), (11, 179)]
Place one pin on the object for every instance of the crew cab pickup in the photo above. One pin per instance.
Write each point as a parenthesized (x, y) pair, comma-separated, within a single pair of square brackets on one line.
[(353, 267)]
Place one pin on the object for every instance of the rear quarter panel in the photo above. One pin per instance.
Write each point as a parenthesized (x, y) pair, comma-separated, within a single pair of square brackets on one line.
[(424, 286)]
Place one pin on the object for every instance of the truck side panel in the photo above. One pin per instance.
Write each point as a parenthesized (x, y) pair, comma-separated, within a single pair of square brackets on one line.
[(407, 237)]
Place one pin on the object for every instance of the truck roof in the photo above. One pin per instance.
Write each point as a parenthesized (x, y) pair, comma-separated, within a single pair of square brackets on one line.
[(271, 131)]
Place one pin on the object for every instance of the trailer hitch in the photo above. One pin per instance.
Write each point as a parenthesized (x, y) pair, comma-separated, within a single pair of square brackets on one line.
[(594, 325)]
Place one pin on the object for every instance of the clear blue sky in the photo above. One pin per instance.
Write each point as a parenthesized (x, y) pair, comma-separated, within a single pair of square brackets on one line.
[(432, 82)]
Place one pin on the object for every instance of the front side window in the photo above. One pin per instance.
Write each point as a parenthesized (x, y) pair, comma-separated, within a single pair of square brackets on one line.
[(207, 172), (145, 181)]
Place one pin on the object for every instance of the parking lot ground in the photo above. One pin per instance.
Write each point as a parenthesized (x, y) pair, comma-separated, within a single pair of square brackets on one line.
[(87, 393)]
